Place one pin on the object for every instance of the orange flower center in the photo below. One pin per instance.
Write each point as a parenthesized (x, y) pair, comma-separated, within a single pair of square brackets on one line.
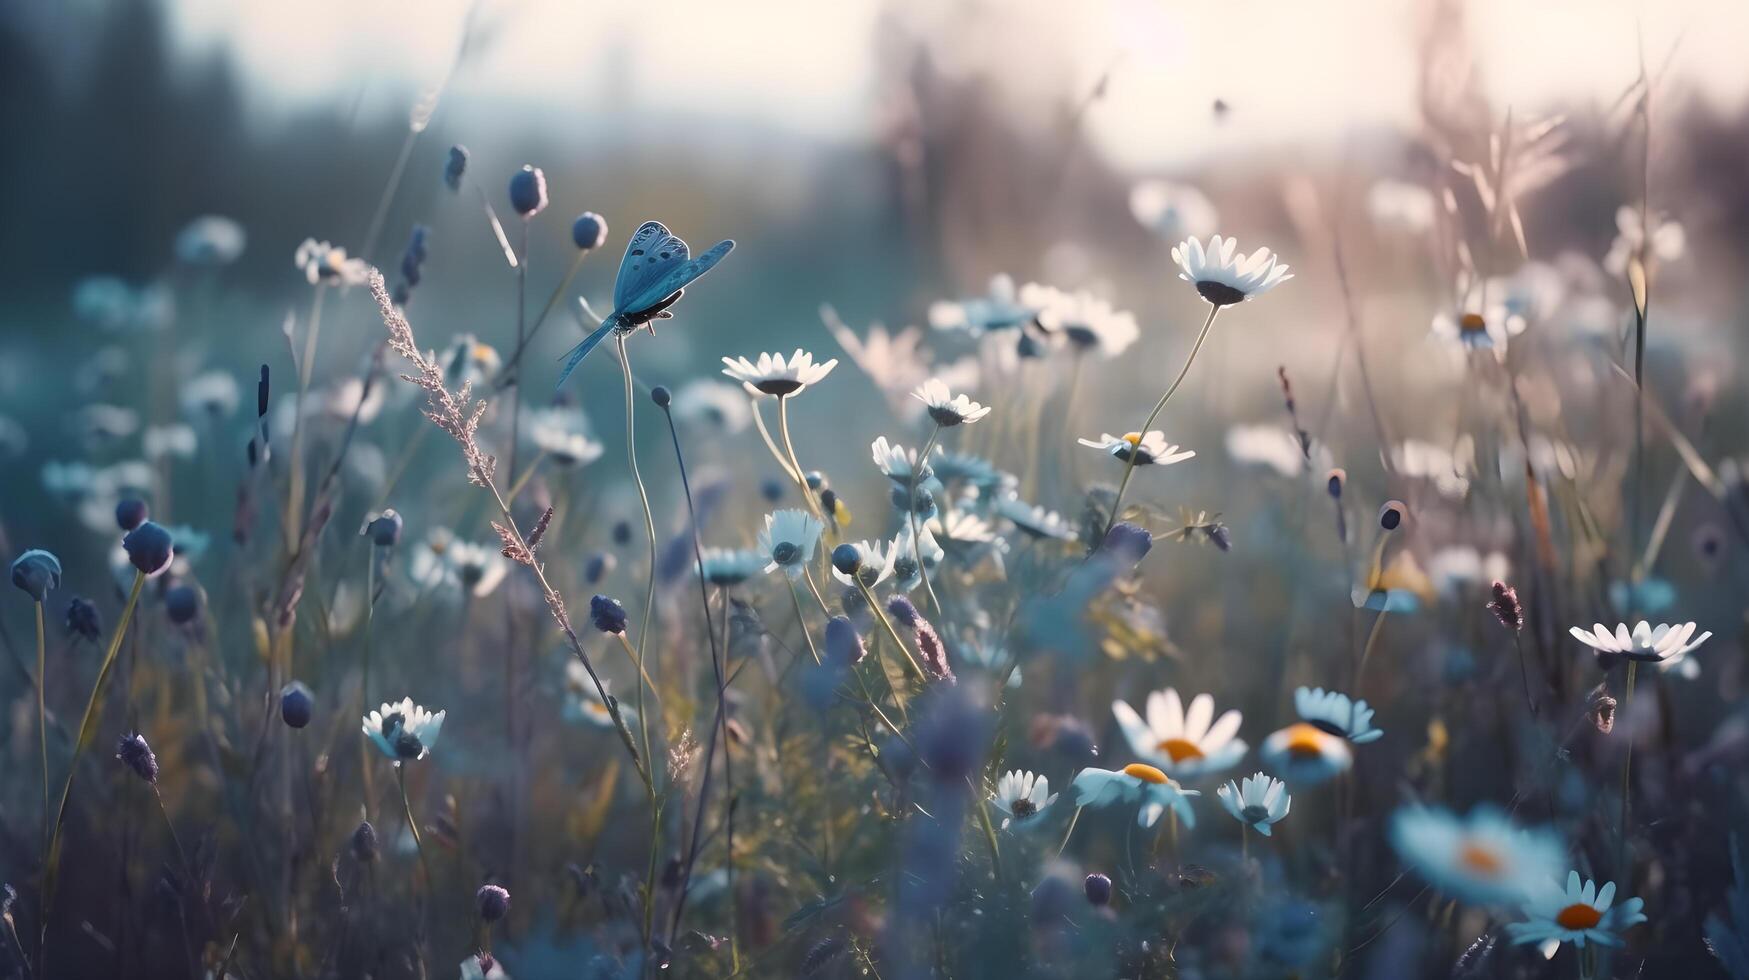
[(1178, 749), (1472, 323), (1144, 772), (1481, 860), (1133, 438), (1579, 916), (1305, 741)]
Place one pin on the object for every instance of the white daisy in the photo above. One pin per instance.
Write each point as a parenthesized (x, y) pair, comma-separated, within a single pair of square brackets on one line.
[(1135, 783), (1669, 241), (1085, 321), (479, 568), (773, 375), (1183, 743), (210, 394), (716, 406), (583, 702), (1223, 278), (1334, 713), (329, 264), (1035, 522), (1150, 449), (1024, 797), (177, 440), (468, 361), (724, 567), (1576, 913), (946, 408), (1483, 859), (1257, 802), (211, 240), (1171, 210), (903, 556), (404, 731), (897, 362), (1665, 644), (874, 565), (788, 541), (961, 532), (897, 462), (1306, 754), (558, 432), (1272, 446), (1000, 309)]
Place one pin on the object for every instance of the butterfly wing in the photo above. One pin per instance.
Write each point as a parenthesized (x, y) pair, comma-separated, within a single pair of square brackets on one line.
[(671, 279), (579, 352), (652, 252)]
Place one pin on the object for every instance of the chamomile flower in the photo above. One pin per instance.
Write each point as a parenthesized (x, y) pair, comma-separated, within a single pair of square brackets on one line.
[(211, 240), (468, 361), (479, 568), (788, 541), (1172, 210), (1086, 323), (583, 703), (1668, 243), (1137, 782), (1032, 521), (724, 567), (897, 362), (559, 434), (1024, 797), (1577, 913), (404, 732), (1223, 278), (897, 462), (1483, 858), (999, 309), (325, 263), (175, 440), (1665, 644), (907, 572), (873, 564), (945, 408), (1274, 447), (771, 374), (210, 394), (715, 406), (1256, 802), (1150, 448), (1332, 712), (1306, 754), (1475, 327), (1183, 743), (962, 533)]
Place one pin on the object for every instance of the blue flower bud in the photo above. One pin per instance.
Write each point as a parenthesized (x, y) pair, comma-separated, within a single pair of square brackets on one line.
[(296, 705), (771, 488), (149, 548), (528, 191), (130, 513), (182, 603), (622, 533), (36, 572), (493, 902), (661, 396), (609, 616), (589, 230), (83, 619), (1098, 888), (455, 167), (847, 558), (384, 529)]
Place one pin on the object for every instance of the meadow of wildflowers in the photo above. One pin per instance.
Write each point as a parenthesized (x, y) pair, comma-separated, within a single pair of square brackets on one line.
[(1298, 565)]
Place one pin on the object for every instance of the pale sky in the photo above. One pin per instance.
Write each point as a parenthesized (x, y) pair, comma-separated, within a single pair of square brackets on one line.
[(1292, 71)]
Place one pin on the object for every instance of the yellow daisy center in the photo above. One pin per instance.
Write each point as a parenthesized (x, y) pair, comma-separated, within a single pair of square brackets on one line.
[(1472, 323), (1481, 859), (1179, 750), (1145, 773), (1305, 741), (1580, 916), (1133, 438)]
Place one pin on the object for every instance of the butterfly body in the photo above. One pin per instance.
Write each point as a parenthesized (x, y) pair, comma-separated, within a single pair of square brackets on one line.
[(655, 271)]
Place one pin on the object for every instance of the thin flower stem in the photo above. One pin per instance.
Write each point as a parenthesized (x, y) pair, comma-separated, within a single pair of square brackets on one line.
[(796, 600), (632, 658), (413, 825), (1372, 639), (989, 829), (294, 497), (765, 434), (1623, 872), (1070, 832), (911, 665), (521, 338), (625, 364), (815, 589), (42, 716), (911, 517), (1130, 464), (370, 615), (512, 363), (182, 855), (87, 730), (1523, 672), (796, 464)]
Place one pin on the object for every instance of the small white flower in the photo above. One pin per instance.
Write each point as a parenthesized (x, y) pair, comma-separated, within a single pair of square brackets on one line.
[(1576, 913), (1085, 321), (1275, 447), (1669, 241), (1223, 278), (1334, 713), (998, 310), (946, 408), (1483, 859), (788, 541), (1034, 521), (479, 568), (583, 702), (716, 406), (325, 263), (1024, 797), (874, 565), (773, 375), (1664, 644), (176, 439), (468, 361), (1183, 743), (724, 567), (211, 240), (1257, 802), (558, 432), (1172, 211), (1150, 449), (404, 731), (1136, 782), (897, 462), (902, 556), (1306, 754), (961, 531), (211, 394)]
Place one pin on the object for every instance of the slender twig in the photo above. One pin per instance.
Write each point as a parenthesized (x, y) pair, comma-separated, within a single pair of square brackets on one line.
[(1130, 464), (911, 516)]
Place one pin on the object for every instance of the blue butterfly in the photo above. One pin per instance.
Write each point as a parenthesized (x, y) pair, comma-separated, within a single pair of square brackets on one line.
[(656, 269)]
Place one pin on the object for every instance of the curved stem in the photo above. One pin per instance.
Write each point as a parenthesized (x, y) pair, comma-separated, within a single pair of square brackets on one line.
[(413, 825), (915, 670), (989, 829), (294, 497), (1623, 872), (911, 516), (796, 600), (765, 434), (370, 615), (1130, 464), (87, 729), (42, 723), (625, 364), (1070, 832), (795, 464)]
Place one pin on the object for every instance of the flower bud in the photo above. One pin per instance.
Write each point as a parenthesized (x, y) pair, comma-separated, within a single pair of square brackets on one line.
[(528, 191), (130, 513), (83, 619), (182, 604), (133, 751), (455, 166), (1098, 888), (847, 558), (493, 902), (608, 615), (384, 530), (36, 572), (296, 705), (661, 396), (1391, 515), (149, 548), (589, 231)]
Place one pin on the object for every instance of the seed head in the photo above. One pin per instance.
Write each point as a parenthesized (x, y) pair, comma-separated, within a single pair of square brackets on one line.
[(83, 619), (1098, 888), (528, 191), (493, 902), (182, 604), (1506, 607), (149, 547), (589, 231), (607, 614), (1391, 515), (133, 751)]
